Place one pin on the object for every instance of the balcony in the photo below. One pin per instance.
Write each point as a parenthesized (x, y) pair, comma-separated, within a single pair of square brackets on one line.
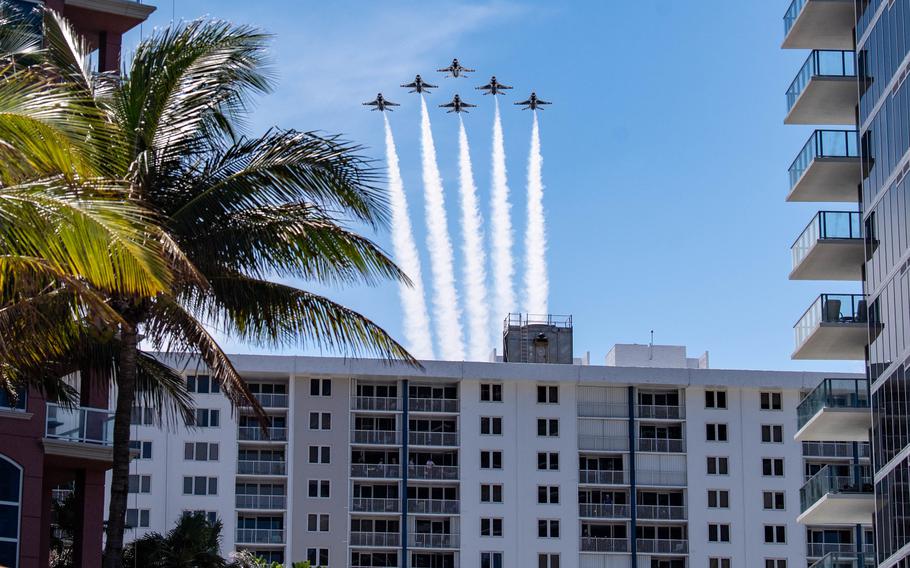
[(433, 472), (834, 328), (827, 169), (262, 502), (376, 539), (432, 540), (661, 512), (268, 400), (78, 433), (842, 549), (836, 410), (256, 434), (378, 403), (376, 437), (660, 478), (819, 24), (433, 506), (253, 467), (260, 536), (834, 449), (601, 544), (369, 505), (603, 477), (597, 443), (829, 248), (661, 445), (662, 546), (604, 511), (439, 439), (824, 91), (447, 405), (375, 470), (660, 412), (837, 495), (838, 560)]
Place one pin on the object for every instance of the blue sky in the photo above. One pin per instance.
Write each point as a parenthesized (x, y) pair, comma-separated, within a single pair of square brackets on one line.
[(665, 153)]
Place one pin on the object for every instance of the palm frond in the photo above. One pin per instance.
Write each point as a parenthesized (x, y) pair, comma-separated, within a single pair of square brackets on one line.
[(163, 388)]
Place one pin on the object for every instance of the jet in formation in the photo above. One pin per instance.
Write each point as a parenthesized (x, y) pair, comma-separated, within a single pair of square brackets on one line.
[(455, 70), (494, 87), (533, 102), (381, 104), (457, 105), (418, 86)]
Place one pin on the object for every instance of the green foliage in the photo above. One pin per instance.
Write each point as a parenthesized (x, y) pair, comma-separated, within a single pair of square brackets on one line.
[(192, 543)]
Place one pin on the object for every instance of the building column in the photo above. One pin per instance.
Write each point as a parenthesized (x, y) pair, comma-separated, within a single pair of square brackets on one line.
[(109, 51), (633, 498), (87, 542), (47, 507)]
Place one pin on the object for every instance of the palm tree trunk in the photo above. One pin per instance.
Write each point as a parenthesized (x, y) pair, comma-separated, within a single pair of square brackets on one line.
[(126, 394)]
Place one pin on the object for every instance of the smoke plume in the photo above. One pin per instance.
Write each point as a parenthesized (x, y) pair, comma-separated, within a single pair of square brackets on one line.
[(536, 280)]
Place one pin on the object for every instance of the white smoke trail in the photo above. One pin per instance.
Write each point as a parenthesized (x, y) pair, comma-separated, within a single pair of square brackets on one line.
[(445, 298), (536, 280), (501, 230), (475, 275), (416, 318)]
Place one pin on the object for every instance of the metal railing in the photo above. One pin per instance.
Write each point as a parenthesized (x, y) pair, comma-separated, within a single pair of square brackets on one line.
[(793, 12), (663, 445), (662, 546), (272, 400), (837, 560), (433, 404), (603, 409), (826, 225), (264, 502), (513, 321), (383, 437), (836, 479), (603, 443), (376, 470), (830, 308), (661, 512), (254, 467), (656, 477), (442, 472), (834, 449), (379, 539), (660, 411), (433, 506), (833, 393), (845, 549), (604, 510), (260, 536), (376, 403), (433, 438), (79, 424), (601, 544), (603, 477), (371, 505), (255, 434), (431, 540), (821, 63), (823, 144)]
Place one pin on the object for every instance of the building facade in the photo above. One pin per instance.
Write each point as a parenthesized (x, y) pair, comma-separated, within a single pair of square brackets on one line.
[(652, 460)]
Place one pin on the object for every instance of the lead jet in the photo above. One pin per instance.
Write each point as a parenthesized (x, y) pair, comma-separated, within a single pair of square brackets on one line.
[(455, 70), (494, 87), (418, 86), (381, 104), (457, 105), (533, 102)]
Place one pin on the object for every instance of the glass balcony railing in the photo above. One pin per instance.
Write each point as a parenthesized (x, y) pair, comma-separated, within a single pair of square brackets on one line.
[(826, 225), (433, 540), (796, 7), (839, 560), (433, 472), (834, 393), (831, 308), (255, 434), (381, 437), (833, 449), (272, 400), (433, 404), (660, 411), (265, 502), (844, 549), (381, 539), (823, 144), (260, 536), (656, 477), (821, 63), (603, 476), (603, 443), (433, 506), (662, 546), (375, 505), (836, 479), (662, 445), (79, 424), (603, 544), (661, 512), (604, 510), (383, 403), (433, 438), (376, 470)]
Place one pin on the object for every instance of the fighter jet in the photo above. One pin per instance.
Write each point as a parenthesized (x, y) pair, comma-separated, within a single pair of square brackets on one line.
[(455, 70), (457, 105), (533, 102), (494, 87), (381, 104), (418, 86)]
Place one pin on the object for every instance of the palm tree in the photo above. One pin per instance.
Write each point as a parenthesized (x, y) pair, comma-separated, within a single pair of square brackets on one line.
[(230, 213), (192, 543)]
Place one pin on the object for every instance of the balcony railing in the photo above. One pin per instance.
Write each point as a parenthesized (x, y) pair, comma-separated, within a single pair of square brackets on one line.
[(659, 411), (836, 560), (382, 403), (661, 512), (433, 506), (382, 437), (834, 449), (844, 549), (272, 400), (826, 225), (660, 477), (823, 144), (264, 502), (255, 434), (663, 445), (792, 14), (79, 424), (604, 477), (377, 539), (604, 510), (433, 404), (662, 546), (376, 470), (369, 505), (840, 479), (260, 536), (603, 443), (254, 467), (833, 393), (830, 309), (603, 409), (430, 540), (431, 472), (433, 438), (599, 544), (821, 63)]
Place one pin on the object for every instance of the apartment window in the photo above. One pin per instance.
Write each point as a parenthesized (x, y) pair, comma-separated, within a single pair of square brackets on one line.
[(715, 399), (319, 488), (200, 451), (490, 459), (320, 454), (318, 556), (716, 432), (143, 449), (718, 532), (317, 522), (548, 427), (490, 392), (142, 416), (490, 493), (200, 485), (210, 516), (320, 387), (718, 466), (548, 460), (202, 384), (548, 494), (772, 467), (775, 563), (718, 563), (140, 484), (137, 518), (718, 499), (547, 394), (772, 433), (771, 401), (547, 561), (491, 425), (775, 534), (491, 560), (490, 527), (773, 500), (548, 528), (320, 420), (207, 418)]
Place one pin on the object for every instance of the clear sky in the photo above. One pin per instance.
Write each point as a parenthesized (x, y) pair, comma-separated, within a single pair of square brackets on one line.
[(665, 153)]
